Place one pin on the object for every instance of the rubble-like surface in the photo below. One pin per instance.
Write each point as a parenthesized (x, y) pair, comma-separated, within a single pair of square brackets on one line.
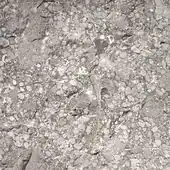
[(84, 85)]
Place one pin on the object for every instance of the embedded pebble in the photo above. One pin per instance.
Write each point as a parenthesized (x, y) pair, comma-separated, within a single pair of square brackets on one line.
[(4, 42), (29, 88), (158, 142), (21, 96), (154, 129)]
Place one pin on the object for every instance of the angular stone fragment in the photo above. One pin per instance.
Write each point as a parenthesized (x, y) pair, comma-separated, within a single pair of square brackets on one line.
[(34, 160), (135, 49), (22, 161)]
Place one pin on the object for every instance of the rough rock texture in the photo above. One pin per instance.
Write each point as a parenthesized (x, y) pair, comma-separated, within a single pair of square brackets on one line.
[(84, 85)]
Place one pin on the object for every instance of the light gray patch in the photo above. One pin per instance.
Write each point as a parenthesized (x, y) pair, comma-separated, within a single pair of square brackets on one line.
[(165, 81), (4, 42), (153, 108)]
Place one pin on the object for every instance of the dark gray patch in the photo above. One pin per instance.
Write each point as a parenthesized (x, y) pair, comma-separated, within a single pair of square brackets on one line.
[(100, 45)]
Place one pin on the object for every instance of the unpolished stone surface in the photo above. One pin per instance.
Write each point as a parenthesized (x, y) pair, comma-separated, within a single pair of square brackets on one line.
[(84, 85)]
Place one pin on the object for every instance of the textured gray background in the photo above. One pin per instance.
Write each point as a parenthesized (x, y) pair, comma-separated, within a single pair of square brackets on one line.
[(84, 85)]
